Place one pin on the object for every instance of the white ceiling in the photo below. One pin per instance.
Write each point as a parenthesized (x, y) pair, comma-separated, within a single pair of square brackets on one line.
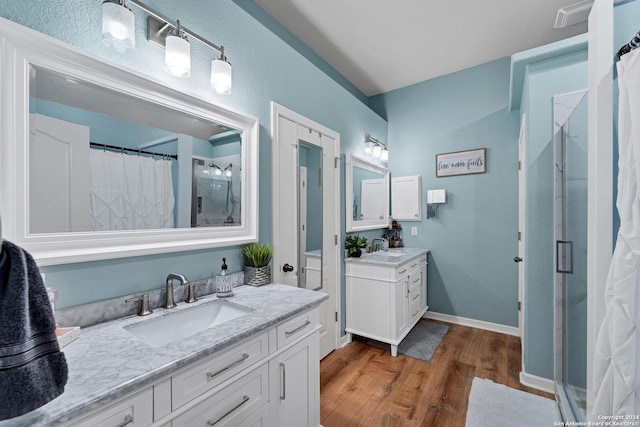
[(381, 45)]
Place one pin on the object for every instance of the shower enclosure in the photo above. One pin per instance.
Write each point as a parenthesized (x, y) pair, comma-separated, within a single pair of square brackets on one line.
[(570, 212)]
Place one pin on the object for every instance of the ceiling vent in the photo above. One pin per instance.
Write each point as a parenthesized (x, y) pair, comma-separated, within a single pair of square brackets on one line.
[(573, 14)]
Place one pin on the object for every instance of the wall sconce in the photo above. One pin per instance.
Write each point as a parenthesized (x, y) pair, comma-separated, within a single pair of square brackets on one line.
[(375, 148), (118, 31), (434, 198), (227, 171)]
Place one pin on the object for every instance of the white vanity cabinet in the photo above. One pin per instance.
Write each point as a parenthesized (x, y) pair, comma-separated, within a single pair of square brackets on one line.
[(384, 300), (269, 379)]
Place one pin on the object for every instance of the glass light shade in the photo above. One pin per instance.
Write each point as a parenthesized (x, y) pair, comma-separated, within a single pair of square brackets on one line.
[(221, 76), (228, 173), (384, 155), (368, 148), (118, 27), (217, 171), (177, 56), (377, 151)]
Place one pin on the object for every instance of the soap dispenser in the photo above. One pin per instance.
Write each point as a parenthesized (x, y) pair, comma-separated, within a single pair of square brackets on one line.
[(224, 282)]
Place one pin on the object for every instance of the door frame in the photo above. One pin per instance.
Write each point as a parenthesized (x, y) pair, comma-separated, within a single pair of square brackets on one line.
[(331, 253), (522, 221)]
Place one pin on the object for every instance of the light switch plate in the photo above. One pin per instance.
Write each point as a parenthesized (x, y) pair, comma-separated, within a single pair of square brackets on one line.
[(414, 231)]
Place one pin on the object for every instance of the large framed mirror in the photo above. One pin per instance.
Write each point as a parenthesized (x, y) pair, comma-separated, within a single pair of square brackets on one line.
[(100, 162), (367, 194)]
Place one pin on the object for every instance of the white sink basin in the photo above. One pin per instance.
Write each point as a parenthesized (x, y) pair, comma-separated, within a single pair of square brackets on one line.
[(394, 254), (185, 323)]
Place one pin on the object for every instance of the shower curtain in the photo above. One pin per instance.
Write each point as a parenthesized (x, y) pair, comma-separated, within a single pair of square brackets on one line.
[(129, 192), (617, 354)]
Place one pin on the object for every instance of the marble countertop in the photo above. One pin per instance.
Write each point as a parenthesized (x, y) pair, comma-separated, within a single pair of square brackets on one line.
[(107, 362), (392, 257)]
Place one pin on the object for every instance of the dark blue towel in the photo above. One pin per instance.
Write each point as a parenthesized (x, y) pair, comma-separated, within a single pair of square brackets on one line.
[(33, 371)]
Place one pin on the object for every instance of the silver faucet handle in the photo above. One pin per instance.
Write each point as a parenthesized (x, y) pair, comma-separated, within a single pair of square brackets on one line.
[(144, 308), (191, 294)]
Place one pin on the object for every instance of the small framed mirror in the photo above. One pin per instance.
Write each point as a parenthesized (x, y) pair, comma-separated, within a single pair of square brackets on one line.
[(367, 194)]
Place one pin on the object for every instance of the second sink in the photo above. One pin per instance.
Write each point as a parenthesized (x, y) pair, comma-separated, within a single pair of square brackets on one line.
[(184, 323)]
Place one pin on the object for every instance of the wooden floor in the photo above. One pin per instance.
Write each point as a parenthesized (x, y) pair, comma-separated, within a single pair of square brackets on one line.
[(361, 385)]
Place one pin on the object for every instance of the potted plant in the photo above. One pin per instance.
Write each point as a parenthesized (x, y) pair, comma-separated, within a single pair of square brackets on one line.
[(354, 244), (257, 271)]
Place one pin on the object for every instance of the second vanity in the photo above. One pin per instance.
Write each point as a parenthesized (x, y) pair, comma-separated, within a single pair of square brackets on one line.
[(258, 369), (386, 294)]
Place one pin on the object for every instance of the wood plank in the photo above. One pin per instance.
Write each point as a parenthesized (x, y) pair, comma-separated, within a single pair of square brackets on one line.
[(362, 385)]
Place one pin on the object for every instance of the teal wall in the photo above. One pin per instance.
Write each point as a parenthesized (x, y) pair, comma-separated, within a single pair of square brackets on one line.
[(265, 69), (542, 80), (471, 271)]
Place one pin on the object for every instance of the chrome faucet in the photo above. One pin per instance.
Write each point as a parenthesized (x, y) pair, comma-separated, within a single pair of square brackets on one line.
[(376, 247), (169, 302)]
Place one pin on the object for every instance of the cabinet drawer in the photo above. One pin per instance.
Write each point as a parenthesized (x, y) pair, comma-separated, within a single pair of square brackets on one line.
[(133, 411), (410, 266), (415, 304), (187, 385), (415, 279), (294, 328), (231, 405)]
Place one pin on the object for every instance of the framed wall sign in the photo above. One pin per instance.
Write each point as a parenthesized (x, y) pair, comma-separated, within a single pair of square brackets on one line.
[(461, 162)]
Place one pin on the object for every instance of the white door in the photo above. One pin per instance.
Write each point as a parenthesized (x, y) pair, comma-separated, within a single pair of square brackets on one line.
[(302, 231), (59, 198), (291, 134), (522, 192)]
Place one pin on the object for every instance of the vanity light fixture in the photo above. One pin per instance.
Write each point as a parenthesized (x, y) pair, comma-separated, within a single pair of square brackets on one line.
[(118, 30), (375, 148), (216, 169), (118, 26)]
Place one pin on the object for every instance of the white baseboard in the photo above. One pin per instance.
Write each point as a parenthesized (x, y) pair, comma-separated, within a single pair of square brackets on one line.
[(480, 324), (539, 383)]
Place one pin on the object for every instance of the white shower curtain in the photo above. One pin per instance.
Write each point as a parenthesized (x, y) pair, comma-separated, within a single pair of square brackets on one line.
[(130, 192), (617, 354)]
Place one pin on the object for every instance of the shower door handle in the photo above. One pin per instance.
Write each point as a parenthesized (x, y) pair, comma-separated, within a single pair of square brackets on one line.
[(564, 256)]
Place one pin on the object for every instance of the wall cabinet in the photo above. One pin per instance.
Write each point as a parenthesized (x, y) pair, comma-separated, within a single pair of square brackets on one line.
[(269, 379), (406, 198), (384, 302)]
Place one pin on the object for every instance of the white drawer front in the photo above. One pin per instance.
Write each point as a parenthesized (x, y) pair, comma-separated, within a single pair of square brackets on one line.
[(231, 405), (415, 304), (191, 383), (260, 418), (415, 279), (132, 411), (294, 328)]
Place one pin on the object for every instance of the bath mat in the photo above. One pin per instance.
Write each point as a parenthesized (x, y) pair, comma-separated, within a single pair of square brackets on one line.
[(497, 405), (423, 340)]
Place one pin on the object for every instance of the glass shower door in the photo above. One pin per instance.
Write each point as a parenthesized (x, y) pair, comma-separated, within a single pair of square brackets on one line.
[(571, 255)]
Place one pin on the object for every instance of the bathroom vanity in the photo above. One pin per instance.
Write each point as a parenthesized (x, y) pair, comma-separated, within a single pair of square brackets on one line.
[(261, 368), (386, 294)]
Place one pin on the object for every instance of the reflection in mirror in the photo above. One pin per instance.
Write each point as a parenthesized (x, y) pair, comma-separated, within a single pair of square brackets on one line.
[(367, 188), (101, 160), (367, 192), (310, 215)]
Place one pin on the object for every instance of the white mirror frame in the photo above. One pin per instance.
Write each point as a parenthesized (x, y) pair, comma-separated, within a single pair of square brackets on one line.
[(370, 224), (19, 47)]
